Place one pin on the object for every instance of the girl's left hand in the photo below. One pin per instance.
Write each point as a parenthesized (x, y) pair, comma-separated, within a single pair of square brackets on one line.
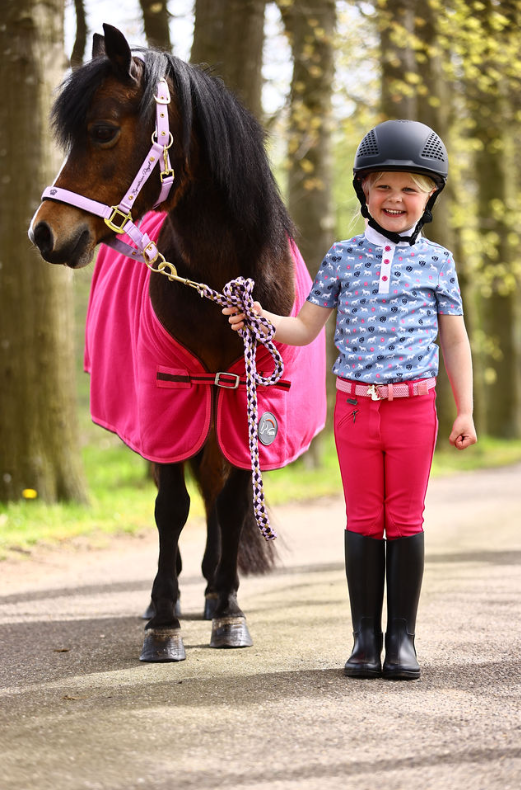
[(463, 432)]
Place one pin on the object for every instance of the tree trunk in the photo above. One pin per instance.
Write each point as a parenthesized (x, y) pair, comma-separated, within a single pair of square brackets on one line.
[(38, 428), (499, 307), (156, 23), (396, 27), (310, 26), (229, 37), (80, 42), (495, 123)]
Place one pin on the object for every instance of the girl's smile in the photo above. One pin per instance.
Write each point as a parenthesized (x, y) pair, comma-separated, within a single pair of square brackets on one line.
[(395, 201)]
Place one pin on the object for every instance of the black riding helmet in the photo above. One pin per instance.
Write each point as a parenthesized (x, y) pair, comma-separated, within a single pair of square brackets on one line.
[(405, 146)]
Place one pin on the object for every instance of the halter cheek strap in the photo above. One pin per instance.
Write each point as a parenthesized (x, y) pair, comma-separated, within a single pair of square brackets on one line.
[(119, 218)]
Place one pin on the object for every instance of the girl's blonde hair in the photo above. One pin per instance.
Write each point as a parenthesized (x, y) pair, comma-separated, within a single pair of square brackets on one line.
[(424, 183)]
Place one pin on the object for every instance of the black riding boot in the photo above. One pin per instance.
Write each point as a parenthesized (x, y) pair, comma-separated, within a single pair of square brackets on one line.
[(405, 558), (365, 571)]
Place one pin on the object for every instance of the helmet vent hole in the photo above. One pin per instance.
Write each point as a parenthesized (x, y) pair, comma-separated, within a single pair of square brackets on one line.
[(369, 145), (433, 148)]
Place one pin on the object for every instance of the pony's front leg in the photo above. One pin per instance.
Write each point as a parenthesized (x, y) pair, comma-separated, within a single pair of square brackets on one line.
[(163, 640), (229, 627)]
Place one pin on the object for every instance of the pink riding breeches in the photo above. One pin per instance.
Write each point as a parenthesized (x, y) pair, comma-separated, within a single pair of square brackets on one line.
[(385, 451)]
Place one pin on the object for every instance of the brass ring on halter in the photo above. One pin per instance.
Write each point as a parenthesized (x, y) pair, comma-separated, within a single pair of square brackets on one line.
[(170, 139)]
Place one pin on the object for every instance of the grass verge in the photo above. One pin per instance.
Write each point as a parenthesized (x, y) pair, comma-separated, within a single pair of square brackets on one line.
[(122, 495)]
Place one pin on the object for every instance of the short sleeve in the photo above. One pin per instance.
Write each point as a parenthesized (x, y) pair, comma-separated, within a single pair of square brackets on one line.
[(448, 294), (326, 286)]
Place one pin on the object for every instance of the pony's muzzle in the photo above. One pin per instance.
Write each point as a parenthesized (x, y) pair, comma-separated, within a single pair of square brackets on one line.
[(42, 237), (74, 249)]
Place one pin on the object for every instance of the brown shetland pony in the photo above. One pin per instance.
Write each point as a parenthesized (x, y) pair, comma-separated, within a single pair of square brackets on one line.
[(225, 219)]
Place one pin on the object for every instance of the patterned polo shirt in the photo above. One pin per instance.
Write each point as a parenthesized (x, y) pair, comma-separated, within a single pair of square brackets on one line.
[(388, 297)]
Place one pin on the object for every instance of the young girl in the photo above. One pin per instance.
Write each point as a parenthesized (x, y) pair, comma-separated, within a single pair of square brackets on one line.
[(394, 292)]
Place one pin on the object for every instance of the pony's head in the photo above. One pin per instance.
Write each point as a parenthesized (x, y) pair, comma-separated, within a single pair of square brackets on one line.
[(104, 118)]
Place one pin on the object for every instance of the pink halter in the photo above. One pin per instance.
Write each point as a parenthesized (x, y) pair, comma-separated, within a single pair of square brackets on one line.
[(119, 218)]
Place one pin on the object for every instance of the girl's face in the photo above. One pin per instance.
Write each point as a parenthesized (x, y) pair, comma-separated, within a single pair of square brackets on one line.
[(395, 201)]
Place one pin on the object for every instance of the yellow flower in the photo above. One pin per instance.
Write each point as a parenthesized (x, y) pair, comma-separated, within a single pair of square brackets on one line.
[(29, 493)]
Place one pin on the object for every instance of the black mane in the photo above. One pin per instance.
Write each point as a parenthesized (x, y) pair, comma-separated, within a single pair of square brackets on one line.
[(231, 142)]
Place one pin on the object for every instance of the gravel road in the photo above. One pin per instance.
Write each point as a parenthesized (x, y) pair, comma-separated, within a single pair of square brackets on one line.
[(79, 711)]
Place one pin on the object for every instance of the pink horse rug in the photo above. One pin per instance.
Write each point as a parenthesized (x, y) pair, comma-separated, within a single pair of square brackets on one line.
[(157, 396)]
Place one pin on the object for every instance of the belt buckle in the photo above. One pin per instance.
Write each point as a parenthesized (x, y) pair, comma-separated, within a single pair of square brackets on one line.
[(228, 381), (372, 390)]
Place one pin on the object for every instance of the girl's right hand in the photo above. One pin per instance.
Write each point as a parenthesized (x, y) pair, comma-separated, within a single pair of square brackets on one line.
[(236, 319)]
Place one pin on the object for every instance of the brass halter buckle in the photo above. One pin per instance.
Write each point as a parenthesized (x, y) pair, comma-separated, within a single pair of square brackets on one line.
[(162, 99), (150, 248), (121, 217)]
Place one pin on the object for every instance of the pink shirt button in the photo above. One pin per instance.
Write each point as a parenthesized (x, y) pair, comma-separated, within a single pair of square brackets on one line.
[(384, 279)]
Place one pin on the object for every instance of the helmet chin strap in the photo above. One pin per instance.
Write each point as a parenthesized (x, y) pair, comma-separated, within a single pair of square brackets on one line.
[(390, 234)]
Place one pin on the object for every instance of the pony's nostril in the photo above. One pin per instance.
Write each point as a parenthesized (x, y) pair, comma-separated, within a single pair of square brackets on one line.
[(43, 238)]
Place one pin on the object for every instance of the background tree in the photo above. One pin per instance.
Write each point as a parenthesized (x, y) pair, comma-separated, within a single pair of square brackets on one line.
[(156, 19), (495, 121), (38, 425), (399, 76), (310, 26), (80, 42), (229, 37)]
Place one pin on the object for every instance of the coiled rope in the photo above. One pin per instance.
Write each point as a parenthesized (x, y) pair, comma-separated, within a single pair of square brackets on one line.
[(239, 293)]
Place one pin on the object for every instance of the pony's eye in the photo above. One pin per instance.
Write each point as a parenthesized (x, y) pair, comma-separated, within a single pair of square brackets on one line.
[(104, 134)]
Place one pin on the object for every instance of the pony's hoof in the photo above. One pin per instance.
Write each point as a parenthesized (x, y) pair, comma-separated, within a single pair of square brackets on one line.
[(230, 632), (163, 645), (150, 611), (210, 605)]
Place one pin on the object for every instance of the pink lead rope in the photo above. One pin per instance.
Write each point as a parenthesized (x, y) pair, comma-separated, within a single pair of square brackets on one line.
[(237, 293)]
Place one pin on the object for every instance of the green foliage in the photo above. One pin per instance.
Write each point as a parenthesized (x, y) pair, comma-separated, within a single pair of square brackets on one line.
[(121, 501), (122, 494)]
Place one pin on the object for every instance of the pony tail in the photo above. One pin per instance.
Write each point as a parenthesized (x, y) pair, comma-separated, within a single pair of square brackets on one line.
[(257, 556)]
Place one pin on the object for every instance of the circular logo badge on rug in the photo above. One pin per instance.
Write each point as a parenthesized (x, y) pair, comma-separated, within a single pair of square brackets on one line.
[(268, 428)]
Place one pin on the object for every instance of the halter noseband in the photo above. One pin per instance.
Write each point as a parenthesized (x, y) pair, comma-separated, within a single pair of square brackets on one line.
[(119, 218)]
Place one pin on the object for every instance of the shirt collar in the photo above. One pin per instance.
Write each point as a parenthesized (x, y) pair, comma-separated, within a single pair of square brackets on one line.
[(374, 237)]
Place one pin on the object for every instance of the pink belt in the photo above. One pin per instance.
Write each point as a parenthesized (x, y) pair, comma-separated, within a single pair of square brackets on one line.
[(404, 389)]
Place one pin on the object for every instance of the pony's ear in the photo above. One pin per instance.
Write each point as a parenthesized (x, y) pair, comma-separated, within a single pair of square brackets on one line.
[(98, 45), (118, 52)]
